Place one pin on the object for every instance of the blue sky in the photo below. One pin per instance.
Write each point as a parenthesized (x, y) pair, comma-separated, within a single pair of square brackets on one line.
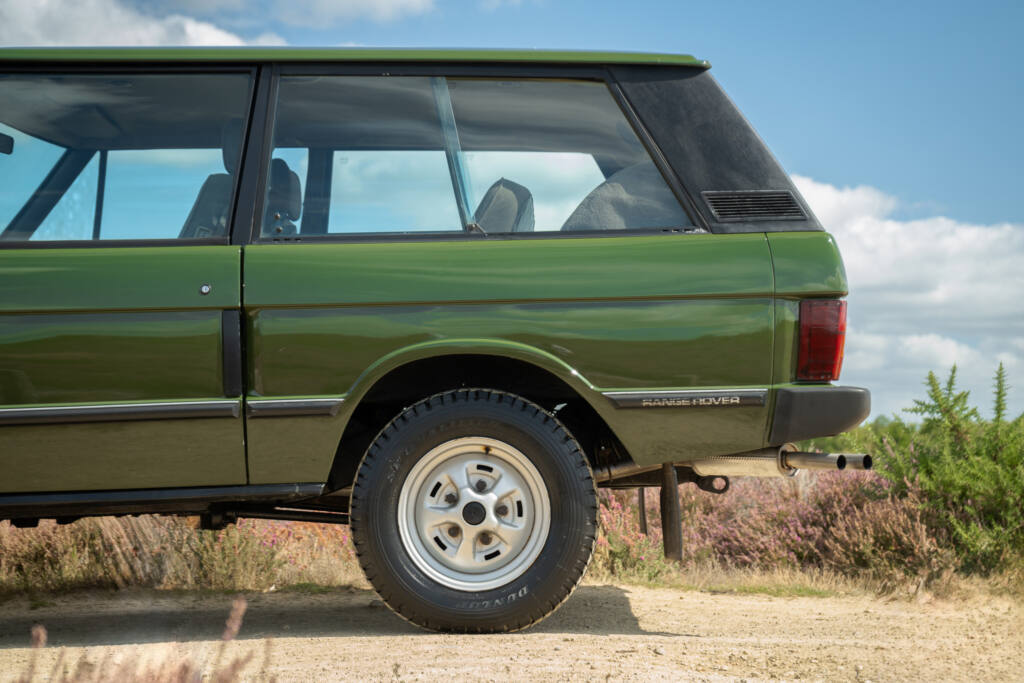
[(901, 122), (923, 99)]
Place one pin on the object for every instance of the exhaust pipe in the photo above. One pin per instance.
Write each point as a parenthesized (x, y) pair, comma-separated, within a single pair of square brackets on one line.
[(815, 461), (858, 461), (767, 462), (777, 462), (621, 470)]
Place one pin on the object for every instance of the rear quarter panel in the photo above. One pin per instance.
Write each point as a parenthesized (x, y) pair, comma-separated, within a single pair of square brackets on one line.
[(613, 313)]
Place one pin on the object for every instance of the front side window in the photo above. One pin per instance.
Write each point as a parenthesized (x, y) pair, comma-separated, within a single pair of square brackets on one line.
[(119, 157), (361, 154)]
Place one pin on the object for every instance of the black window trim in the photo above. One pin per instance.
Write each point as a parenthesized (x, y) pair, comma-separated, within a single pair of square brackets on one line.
[(105, 68), (484, 70)]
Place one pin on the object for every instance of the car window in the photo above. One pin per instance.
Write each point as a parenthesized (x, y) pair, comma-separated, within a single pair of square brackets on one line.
[(559, 155), (369, 154), (558, 181), (74, 216), (358, 155), (120, 157), (35, 158)]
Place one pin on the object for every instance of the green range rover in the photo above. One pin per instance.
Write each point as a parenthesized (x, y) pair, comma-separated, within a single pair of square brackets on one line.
[(438, 295)]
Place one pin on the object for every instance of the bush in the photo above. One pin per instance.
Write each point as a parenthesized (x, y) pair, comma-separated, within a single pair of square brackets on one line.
[(947, 495), (964, 473), (622, 551)]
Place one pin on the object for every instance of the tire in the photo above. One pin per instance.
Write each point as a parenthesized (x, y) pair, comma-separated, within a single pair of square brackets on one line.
[(519, 535)]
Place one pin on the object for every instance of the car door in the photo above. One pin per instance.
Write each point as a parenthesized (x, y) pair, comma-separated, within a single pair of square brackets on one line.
[(120, 293)]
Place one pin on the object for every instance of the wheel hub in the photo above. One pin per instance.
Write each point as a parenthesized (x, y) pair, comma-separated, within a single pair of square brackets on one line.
[(474, 513)]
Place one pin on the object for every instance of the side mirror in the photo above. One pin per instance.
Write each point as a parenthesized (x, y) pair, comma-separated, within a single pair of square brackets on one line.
[(6, 144)]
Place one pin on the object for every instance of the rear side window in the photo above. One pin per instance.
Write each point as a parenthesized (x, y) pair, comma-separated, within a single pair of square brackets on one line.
[(359, 154), (119, 157)]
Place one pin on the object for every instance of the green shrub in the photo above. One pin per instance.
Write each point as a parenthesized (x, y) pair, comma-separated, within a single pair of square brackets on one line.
[(964, 473)]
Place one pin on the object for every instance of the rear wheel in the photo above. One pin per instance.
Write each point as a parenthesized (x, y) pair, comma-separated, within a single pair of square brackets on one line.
[(474, 510)]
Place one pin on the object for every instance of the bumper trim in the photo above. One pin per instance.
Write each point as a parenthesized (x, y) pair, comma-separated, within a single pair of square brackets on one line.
[(814, 411)]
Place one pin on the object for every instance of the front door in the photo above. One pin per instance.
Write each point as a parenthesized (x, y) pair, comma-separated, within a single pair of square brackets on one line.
[(120, 360)]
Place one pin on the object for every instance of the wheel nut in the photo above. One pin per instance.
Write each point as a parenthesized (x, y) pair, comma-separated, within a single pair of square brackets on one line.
[(501, 510), (485, 539), (481, 485), (453, 531), (451, 498)]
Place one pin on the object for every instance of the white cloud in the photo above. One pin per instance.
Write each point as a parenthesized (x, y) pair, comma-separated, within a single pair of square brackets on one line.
[(925, 294), (106, 22), (320, 13)]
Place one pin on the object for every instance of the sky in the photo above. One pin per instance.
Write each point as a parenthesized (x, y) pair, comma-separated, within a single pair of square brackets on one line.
[(900, 123)]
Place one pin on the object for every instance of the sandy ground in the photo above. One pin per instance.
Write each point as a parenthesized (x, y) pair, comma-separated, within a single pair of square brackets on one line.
[(603, 632)]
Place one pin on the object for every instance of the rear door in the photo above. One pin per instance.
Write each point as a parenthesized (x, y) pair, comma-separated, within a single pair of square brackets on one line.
[(120, 359)]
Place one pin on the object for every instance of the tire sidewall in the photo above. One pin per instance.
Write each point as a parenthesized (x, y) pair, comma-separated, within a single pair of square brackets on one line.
[(543, 441)]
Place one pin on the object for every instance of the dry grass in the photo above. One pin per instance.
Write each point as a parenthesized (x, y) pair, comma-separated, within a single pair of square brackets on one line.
[(825, 535), (172, 553), (172, 668), (713, 577)]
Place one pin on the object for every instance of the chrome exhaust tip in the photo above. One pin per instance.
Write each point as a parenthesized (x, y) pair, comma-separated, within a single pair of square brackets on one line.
[(802, 460), (858, 461)]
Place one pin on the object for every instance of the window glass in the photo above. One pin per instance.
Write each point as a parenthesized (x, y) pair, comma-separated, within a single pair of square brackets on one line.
[(35, 158), (556, 155), (74, 216), (367, 154), (558, 181), (389, 191), (357, 154), (129, 157), (135, 206)]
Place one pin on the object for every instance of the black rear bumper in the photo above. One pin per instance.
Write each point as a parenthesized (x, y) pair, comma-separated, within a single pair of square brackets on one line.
[(813, 411)]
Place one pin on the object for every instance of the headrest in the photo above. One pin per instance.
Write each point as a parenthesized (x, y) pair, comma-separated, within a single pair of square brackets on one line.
[(505, 207), (284, 196), (231, 144)]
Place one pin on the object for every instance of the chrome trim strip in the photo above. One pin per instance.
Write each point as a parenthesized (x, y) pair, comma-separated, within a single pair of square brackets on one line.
[(121, 412), (689, 398), (285, 407)]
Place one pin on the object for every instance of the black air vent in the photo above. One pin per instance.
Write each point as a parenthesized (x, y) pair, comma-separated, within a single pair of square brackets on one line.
[(753, 206)]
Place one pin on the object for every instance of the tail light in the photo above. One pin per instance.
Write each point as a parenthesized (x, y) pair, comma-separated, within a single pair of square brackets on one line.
[(822, 335)]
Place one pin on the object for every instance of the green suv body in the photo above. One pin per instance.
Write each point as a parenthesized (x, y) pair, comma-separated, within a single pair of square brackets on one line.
[(443, 293)]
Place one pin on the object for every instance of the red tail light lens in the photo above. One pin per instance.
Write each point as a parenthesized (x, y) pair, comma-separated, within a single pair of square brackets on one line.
[(822, 335)]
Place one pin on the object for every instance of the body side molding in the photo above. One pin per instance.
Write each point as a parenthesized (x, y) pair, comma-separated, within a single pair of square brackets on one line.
[(688, 398), (289, 407), (120, 412)]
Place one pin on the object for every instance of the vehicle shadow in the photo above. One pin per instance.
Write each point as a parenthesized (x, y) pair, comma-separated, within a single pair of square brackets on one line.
[(77, 621)]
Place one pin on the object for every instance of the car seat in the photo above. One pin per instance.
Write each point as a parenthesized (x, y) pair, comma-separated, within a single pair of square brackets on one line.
[(505, 207), (632, 198), (209, 214)]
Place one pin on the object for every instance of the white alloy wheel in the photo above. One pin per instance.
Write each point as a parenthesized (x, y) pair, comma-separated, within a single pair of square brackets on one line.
[(474, 514)]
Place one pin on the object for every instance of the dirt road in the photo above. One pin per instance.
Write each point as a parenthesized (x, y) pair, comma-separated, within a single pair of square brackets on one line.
[(602, 632)]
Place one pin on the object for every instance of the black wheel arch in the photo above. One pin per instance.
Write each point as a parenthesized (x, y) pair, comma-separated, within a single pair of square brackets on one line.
[(416, 380)]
